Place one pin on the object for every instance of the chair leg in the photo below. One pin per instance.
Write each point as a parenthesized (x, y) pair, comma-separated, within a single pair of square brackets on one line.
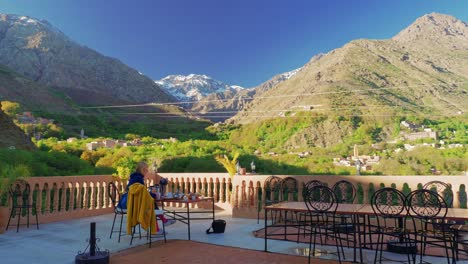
[(164, 232), (113, 223), (11, 215), (37, 219), (120, 229), (19, 218), (338, 248), (27, 222), (148, 234), (310, 245), (377, 248)]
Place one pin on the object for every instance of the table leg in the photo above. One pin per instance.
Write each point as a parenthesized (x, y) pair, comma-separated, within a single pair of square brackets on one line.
[(213, 208), (188, 219), (285, 227), (266, 227)]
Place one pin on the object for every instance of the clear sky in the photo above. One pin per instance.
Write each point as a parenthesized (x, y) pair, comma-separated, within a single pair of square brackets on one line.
[(240, 42)]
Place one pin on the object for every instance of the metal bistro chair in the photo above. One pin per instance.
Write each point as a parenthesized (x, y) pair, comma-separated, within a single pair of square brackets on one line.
[(320, 200), (272, 192), (21, 200), (345, 193), (287, 192), (115, 196), (445, 191), (304, 219), (425, 208), (389, 206)]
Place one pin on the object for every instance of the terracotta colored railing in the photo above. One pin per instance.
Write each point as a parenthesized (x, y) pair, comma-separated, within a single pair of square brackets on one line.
[(249, 190), (70, 197)]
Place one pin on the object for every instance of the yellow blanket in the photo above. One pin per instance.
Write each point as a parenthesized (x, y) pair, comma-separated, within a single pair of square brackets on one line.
[(140, 209)]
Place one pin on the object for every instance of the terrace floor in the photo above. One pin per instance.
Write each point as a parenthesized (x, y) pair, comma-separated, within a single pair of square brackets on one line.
[(60, 242)]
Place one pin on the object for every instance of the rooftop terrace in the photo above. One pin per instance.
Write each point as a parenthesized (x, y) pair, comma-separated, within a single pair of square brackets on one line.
[(64, 228)]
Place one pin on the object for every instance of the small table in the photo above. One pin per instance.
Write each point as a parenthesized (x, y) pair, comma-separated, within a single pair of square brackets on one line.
[(185, 216)]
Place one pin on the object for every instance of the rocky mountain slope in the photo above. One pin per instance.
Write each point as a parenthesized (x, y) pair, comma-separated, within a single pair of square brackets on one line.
[(423, 70), (42, 53), (11, 135), (32, 95)]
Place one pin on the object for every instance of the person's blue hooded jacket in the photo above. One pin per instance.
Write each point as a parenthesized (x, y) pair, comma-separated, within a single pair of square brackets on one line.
[(135, 177)]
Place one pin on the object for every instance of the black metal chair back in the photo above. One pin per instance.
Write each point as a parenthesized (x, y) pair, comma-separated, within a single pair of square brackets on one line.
[(272, 189), (306, 186), (321, 199), (19, 193), (443, 189), (426, 205), (389, 203), (21, 202), (288, 188), (345, 191)]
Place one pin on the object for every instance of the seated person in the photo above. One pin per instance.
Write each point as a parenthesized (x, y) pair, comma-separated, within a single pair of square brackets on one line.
[(138, 176)]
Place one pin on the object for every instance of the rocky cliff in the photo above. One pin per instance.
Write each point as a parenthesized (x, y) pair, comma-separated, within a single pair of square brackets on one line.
[(41, 52)]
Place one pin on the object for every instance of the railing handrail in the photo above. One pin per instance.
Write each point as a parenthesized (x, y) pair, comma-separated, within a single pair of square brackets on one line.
[(68, 197)]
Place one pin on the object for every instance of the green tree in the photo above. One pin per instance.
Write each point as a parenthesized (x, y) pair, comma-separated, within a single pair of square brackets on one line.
[(10, 108)]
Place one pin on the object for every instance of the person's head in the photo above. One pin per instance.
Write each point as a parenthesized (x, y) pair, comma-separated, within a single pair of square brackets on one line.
[(142, 168)]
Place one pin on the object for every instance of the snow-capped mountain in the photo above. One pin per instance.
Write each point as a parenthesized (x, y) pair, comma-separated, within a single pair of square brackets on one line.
[(194, 87)]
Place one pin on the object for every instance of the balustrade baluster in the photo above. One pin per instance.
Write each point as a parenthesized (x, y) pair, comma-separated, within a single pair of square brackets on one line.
[(56, 198), (63, 198), (98, 195), (78, 198), (105, 195), (71, 207), (228, 191), (250, 199), (236, 197), (199, 186), (257, 187), (85, 196), (204, 187), (216, 190), (210, 188), (222, 191), (39, 199), (92, 196)]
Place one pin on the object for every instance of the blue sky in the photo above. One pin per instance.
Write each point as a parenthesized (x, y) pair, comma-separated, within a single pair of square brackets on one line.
[(242, 42)]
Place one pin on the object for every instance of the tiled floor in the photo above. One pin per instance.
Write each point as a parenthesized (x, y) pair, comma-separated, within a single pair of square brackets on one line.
[(61, 242)]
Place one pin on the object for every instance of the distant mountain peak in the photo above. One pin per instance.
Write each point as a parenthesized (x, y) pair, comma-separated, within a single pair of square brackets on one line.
[(433, 26), (27, 21), (194, 87)]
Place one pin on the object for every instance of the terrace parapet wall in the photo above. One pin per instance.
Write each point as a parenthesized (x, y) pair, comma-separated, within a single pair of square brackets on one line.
[(70, 197), (249, 190)]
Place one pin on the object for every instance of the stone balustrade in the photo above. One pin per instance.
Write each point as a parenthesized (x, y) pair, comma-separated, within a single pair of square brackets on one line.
[(249, 190), (68, 197)]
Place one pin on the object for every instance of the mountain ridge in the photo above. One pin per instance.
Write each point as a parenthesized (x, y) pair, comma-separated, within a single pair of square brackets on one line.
[(365, 73), (41, 52)]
